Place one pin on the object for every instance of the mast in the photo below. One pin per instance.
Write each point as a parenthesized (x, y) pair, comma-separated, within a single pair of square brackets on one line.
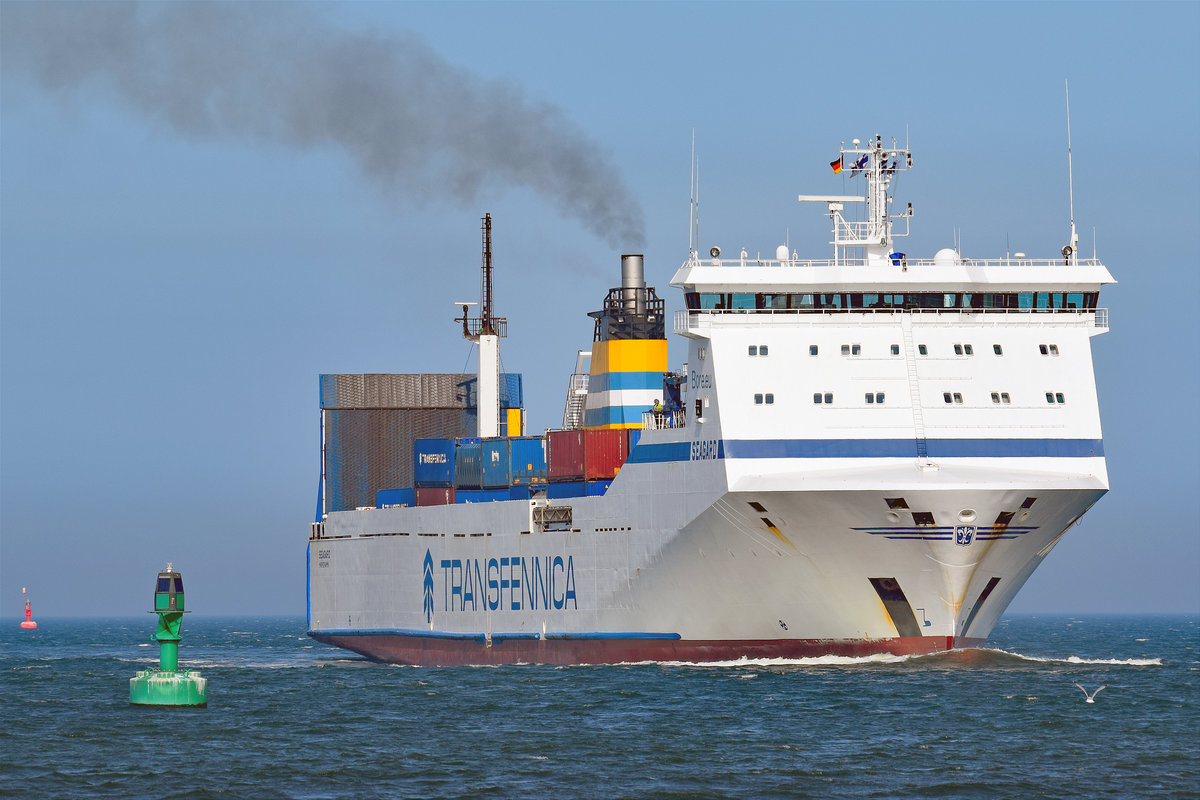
[(486, 331)]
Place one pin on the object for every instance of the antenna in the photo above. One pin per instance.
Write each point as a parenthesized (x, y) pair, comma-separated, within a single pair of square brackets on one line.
[(692, 202), (1073, 245)]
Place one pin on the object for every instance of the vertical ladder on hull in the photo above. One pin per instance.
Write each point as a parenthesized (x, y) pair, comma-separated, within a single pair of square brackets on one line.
[(914, 387)]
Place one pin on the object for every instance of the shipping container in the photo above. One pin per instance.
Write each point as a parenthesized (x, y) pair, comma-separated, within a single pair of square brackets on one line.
[(434, 495), (497, 468), (565, 489), (597, 488), (520, 492), (604, 451), (468, 466), (433, 462), (480, 495), (564, 451), (395, 497), (528, 459)]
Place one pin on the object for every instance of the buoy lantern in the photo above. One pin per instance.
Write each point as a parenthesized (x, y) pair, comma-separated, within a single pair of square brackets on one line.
[(28, 624), (168, 685)]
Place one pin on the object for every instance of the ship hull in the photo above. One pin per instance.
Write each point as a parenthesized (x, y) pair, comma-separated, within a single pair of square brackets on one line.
[(420, 650)]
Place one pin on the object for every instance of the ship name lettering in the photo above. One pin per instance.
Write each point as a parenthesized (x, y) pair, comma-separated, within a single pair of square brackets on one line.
[(698, 380), (512, 583), (705, 450)]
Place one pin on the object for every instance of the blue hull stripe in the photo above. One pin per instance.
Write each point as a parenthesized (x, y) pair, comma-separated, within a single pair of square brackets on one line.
[(480, 638), (876, 448)]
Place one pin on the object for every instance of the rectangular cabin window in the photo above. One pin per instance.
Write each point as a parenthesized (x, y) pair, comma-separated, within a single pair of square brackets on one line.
[(743, 301), (762, 349), (1004, 397), (801, 301), (958, 351), (758, 398), (946, 397), (879, 398), (922, 349), (995, 397), (829, 397), (1043, 349), (1053, 349), (923, 518), (770, 399), (997, 349), (1003, 519), (753, 350), (1058, 396), (845, 349), (1029, 501), (957, 397), (896, 502), (812, 349), (817, 398), (968, 349), (870, 398), (855, 349), (895, 349)]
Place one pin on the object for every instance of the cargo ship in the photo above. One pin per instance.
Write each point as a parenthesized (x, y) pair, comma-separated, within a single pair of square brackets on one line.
[(863, 453)]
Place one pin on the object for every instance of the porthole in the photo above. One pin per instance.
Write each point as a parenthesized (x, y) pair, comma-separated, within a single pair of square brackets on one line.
[(892, 516), (966, 515)]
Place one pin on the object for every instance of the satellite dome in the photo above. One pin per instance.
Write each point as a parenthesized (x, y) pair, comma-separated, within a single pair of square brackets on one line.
[(946, 257)]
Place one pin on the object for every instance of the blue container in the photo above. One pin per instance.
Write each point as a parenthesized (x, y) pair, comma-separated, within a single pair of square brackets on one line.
[(395, 497), (496, 470), (468, 466), (528, 456), (559, 491), (433, 462), (480, 495), (520, 492), (597, 488)]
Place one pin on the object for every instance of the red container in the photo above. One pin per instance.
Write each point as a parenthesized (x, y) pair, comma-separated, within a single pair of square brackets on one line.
[(435, 495), (604, 452), (564, 452)]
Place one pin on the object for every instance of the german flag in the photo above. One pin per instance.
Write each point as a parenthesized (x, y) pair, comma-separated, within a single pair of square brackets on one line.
[(836, 166)]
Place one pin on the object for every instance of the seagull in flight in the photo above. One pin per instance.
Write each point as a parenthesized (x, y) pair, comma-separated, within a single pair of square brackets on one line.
[(1091, 696)]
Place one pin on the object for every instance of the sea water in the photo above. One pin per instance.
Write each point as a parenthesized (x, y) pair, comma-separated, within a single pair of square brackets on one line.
[(291, 718)]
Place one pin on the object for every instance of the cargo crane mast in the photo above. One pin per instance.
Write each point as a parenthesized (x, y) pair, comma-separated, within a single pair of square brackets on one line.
[(486, 331)]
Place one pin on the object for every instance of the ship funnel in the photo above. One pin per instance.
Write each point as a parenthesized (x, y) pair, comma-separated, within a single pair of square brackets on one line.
[(633, 283)]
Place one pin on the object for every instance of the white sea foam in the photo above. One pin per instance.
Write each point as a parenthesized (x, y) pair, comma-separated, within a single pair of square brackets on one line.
[(1116, 662)]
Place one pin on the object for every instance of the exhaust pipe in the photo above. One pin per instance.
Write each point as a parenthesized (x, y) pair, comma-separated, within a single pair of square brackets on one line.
[(633, 283)]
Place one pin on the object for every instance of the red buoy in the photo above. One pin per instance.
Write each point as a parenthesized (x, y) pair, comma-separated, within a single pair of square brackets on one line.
[(28, 623)]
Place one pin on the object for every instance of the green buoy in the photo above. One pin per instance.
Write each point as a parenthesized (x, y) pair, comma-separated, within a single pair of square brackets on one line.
[(168, 685)]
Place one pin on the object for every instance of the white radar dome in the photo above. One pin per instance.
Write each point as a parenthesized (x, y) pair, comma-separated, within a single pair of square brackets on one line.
[(946, 257), (781, 253)]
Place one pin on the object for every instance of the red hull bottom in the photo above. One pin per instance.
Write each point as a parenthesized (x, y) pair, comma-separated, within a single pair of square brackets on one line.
[(441, 652)]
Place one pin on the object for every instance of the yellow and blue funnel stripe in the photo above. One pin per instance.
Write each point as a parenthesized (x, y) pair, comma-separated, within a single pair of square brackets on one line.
[(625, 379)]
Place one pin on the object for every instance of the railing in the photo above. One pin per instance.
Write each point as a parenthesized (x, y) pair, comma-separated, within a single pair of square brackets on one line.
[(663, 420), (689, 320), (909, 263)]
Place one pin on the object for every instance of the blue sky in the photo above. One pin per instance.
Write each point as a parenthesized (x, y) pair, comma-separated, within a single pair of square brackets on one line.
[(174, 275)]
